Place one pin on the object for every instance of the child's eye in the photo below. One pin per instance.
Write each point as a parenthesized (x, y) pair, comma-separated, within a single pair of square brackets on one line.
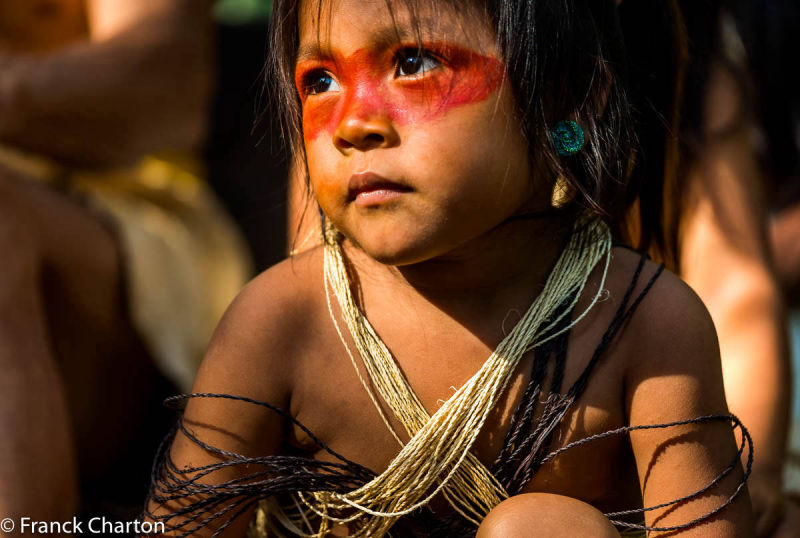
[(319, 82), (414, 62)]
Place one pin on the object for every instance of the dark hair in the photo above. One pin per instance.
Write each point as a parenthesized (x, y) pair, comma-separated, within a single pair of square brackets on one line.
[(657, 55), (771, 35), (705, 51), (565, 59)]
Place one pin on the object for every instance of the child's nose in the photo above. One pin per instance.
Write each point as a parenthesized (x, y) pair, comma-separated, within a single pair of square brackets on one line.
[(364, 132)]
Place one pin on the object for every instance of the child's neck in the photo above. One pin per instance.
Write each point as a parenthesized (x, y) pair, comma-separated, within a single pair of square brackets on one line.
[(513, 258)]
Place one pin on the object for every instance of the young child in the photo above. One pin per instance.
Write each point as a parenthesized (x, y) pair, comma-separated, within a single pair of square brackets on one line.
[(440, 365)]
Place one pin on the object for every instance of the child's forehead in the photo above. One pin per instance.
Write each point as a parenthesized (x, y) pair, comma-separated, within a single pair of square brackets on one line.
[(324, 24)]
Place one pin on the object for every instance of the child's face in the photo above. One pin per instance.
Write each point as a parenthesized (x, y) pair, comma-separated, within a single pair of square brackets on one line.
[(411, 153)]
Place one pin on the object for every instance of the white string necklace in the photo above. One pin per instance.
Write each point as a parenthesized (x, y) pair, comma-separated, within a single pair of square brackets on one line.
[(438, 457)]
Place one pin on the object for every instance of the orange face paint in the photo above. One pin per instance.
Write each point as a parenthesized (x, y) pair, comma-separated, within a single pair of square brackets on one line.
[(368, 86)]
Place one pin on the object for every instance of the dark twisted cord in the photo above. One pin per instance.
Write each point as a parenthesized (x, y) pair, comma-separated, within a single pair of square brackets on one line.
[(513, 473), (519, 433), (558, 405), (170, 403), (286, 474), (728, 417), (232, 498)]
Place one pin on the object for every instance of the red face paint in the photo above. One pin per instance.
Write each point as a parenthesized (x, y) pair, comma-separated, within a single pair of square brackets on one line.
[(369, 87)]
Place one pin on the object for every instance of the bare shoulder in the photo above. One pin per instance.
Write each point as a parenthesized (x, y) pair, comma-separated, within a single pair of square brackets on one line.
[(261, 338), (668, 336), (252, 356), (249, 363), (671, 329), (673, 375)]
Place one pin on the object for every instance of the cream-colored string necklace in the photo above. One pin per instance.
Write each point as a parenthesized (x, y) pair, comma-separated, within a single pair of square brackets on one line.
[(438, 456)]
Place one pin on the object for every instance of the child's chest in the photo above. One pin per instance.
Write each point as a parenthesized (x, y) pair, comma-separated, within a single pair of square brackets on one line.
[(334, 403)]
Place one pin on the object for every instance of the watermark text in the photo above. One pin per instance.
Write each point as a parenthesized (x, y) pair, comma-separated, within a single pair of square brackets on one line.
[(75, 526)]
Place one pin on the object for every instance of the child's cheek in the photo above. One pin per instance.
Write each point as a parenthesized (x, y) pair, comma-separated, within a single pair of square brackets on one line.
[(319, 116), (327, 195), (328, 188)]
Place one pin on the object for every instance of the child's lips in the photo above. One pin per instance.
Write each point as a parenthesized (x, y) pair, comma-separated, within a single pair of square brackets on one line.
[(369, 189)]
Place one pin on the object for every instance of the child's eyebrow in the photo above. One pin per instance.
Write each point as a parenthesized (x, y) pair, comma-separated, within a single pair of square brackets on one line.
[(382, 37), (309, 51)]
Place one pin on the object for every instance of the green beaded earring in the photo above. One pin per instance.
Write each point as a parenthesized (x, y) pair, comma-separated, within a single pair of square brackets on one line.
[(568, 137)]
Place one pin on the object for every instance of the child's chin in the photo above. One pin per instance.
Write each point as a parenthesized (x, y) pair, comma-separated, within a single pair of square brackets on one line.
[(397, 255), (394, 258)]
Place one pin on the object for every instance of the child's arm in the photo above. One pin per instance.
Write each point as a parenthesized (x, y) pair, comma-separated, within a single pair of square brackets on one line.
[(675, 375), (250, 355)]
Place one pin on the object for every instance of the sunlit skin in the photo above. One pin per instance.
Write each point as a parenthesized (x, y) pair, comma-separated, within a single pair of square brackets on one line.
[(375, 102), (41, 25), (423, 186)]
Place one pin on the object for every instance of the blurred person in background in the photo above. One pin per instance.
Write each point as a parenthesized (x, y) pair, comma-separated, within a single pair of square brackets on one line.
[(117, 260), (771, 36), (709, 222)]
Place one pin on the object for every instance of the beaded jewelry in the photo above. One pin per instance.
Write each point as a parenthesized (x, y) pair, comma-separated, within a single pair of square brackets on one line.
[(568, 137)]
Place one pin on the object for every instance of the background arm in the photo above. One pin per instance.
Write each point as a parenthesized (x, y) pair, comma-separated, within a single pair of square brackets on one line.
[(139, 82)]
